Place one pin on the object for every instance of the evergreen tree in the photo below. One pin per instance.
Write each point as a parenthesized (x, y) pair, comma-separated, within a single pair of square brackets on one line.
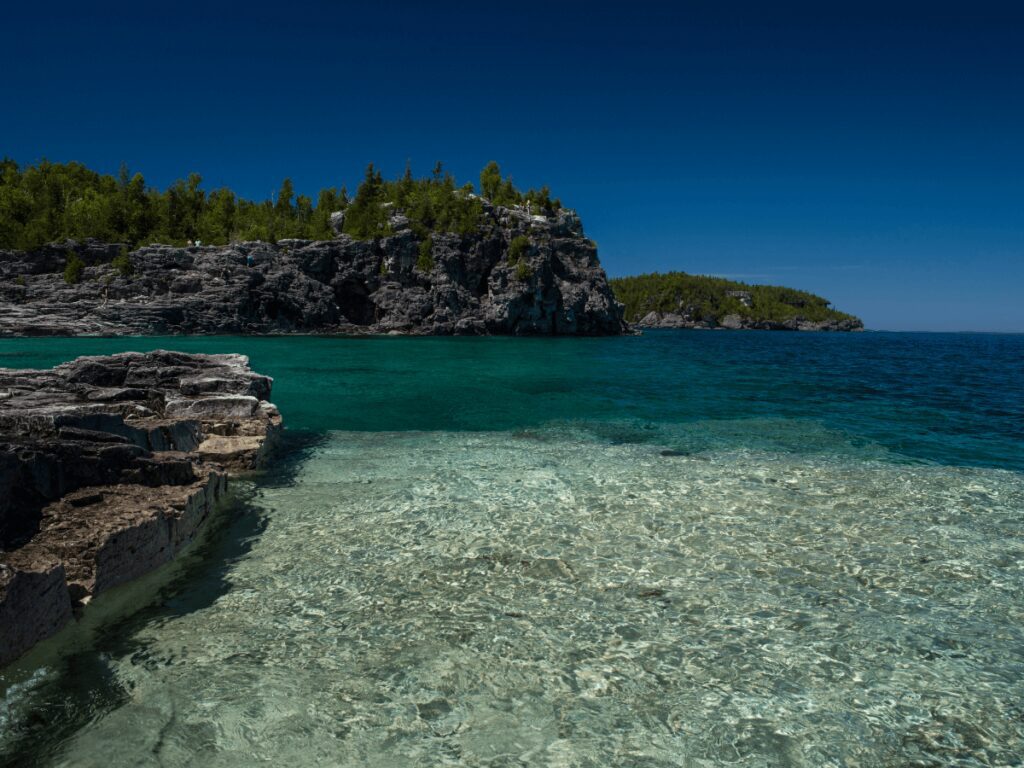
[(303, 215), (366, 217), (138, 215), (329, 201), (283, 205), (73, 269), (490, 180), (217, 221)]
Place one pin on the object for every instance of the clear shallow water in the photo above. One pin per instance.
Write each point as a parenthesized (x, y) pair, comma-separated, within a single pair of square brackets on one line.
[(477, 554)]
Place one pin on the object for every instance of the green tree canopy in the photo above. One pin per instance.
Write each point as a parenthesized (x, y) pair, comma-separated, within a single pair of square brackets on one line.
[(712, 298), (51, 202)]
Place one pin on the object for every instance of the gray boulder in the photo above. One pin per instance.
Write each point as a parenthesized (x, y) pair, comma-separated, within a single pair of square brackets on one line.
[(732, 322)]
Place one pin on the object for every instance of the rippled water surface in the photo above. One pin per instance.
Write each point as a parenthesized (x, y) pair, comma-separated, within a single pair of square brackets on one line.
[(683, 549)]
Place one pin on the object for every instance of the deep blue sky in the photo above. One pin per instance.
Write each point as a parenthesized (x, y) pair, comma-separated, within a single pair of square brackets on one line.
[(872, 153)]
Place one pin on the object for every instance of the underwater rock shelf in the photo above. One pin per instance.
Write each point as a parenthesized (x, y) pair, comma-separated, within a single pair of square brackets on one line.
[(109, 466)]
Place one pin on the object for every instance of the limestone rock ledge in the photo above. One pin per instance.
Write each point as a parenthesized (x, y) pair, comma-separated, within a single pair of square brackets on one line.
[(109, 466)]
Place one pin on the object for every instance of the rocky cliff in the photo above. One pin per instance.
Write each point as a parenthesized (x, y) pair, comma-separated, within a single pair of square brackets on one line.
[(450, 284), (108, 467)]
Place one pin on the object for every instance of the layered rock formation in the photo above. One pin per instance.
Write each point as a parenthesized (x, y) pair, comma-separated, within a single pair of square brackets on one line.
[(108, 467), (464, 284), (737, 322)]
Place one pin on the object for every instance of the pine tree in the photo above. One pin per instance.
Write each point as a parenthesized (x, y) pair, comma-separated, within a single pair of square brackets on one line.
[(490, 180)]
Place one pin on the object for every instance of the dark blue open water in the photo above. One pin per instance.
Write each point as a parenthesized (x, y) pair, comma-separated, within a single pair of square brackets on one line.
[(683, 548)]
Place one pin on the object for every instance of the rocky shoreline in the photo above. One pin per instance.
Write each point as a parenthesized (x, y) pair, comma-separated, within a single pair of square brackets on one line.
[(741, 323), (109, 466), (473, 284)]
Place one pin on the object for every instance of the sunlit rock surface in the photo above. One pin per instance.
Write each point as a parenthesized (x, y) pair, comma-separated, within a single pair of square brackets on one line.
[(108, 468)]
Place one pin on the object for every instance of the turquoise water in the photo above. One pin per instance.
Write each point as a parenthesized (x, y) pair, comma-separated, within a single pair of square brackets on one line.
[(678, 549)]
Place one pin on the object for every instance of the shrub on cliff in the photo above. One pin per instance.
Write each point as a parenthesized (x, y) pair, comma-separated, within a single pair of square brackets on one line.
[(122, 264), (425, 262), (73, 269), (518, 248)]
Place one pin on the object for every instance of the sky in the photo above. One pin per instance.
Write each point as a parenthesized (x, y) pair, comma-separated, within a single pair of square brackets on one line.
[(869, 152)]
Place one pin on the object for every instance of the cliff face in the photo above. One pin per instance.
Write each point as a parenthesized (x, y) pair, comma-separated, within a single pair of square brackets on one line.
[(464, 284), (108, 467)]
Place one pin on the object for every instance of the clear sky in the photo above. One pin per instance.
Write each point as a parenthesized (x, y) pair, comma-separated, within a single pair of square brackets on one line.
[(872, 153)]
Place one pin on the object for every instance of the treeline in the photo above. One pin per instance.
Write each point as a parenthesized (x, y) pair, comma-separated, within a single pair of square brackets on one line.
[(50, 202), (712, 298), (435, 203)]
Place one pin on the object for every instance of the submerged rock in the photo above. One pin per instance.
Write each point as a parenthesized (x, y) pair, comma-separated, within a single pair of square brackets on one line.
[(462, 284), (108, 467)]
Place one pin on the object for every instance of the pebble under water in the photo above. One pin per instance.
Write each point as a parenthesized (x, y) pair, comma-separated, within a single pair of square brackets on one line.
[(687, 557)]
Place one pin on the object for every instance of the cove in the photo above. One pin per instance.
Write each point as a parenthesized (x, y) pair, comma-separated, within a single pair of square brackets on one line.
[(659, 550)]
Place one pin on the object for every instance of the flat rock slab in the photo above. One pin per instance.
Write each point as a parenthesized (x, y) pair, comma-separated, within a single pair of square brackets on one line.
[(230, 451)]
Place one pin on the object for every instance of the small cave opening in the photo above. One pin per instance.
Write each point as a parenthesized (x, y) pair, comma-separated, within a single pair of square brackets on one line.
[(354, 302)]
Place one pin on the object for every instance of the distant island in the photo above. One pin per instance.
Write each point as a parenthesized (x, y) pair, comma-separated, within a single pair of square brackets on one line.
[(681, 300)]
